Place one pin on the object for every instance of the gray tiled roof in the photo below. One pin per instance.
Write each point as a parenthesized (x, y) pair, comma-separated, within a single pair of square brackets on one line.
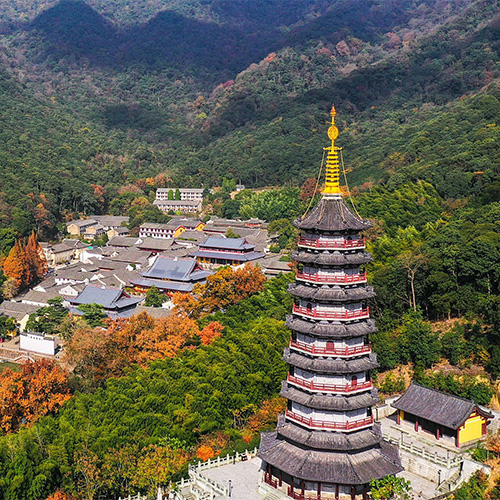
[(338, 441), (330, 365), (332, 215), (156, 243), (335, 258), (187, 222), (111, 220), (131, 256), (337, 402), (109, 298), (237, 244), (82, 222), (192, 236), (341, 294), (436, 406), (330, 466), (331, 330), (42, 297), (168, 268), (16, 310), (123, 241), (242, 257), (173, 286)]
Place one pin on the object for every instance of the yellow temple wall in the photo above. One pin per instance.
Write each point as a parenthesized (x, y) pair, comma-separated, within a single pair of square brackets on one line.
[(472, 429)]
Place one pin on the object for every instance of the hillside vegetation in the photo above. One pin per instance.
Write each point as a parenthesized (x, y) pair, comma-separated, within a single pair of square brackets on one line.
[(100, 95)]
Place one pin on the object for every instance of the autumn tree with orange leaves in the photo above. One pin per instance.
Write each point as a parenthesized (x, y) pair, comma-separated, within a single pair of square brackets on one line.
[(16, 265), (97, 353), (224, 288), (24, 265), (39, 388), (35, 256), (59, 495)]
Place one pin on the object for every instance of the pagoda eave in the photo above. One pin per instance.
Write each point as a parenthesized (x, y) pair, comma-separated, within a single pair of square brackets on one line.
[(332, 258), (332, 215), (330, 466), (329, 330), (334, 441), (328, 365), (325, 293)]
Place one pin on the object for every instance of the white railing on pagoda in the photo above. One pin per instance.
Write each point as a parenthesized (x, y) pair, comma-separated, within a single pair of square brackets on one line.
[(322, 424), (315, 313), (325, 278), (322, 387), (332, 351), (324, 243)]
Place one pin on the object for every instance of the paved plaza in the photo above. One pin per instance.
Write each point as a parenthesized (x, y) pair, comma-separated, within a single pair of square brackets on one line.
[(242, 476)]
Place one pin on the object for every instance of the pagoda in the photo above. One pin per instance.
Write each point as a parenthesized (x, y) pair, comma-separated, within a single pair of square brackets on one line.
[(327, 444)]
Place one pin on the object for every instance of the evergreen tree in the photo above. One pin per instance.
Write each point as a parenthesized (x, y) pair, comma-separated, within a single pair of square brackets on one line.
[(154, 298), (93, 314)]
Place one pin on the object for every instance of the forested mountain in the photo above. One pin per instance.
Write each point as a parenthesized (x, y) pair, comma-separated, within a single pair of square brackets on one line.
[(102, 94)]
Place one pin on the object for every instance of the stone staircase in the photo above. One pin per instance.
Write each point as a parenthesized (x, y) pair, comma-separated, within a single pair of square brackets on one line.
[(274, 496)]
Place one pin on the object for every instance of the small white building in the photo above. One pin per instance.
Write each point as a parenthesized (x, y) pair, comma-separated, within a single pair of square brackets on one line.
[(186, 194), (37, 342)]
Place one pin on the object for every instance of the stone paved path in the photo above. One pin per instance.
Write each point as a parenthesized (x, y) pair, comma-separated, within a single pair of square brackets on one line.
[(244, 477)]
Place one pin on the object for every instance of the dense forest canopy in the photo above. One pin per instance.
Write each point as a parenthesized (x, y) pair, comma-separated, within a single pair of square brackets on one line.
[(101, 95)]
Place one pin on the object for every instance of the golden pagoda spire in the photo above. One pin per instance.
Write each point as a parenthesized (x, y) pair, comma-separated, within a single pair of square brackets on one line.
[(332, 177)]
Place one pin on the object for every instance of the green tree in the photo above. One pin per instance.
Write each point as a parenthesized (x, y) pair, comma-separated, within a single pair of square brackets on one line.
[(231, 234), (7, 326), (390, 488), (48, 319), (154, 298), (93, 314), (417, 340)]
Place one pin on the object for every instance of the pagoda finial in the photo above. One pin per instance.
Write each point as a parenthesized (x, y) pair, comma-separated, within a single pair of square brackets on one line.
[(332, 177)]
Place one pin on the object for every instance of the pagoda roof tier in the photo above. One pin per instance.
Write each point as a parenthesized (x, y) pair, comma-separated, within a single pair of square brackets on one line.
[(332, 215), (351, 468), (331, 330), (335, 441), (336, 402), (335, 258), (333, 293), (330, 365)]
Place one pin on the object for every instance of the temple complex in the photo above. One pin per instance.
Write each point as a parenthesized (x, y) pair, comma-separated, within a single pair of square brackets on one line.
[(327, 445)]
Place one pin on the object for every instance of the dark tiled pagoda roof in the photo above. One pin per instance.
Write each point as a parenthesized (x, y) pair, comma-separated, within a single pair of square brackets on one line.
[(332, 215), (326, 293), (335, 441), (331, 330), (329, 365), (335, 258), (330, 467), (436, 406), (328, 401)]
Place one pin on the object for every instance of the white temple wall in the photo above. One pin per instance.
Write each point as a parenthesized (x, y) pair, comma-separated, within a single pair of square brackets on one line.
[(330, 379), (329, 416), (338, 344)]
